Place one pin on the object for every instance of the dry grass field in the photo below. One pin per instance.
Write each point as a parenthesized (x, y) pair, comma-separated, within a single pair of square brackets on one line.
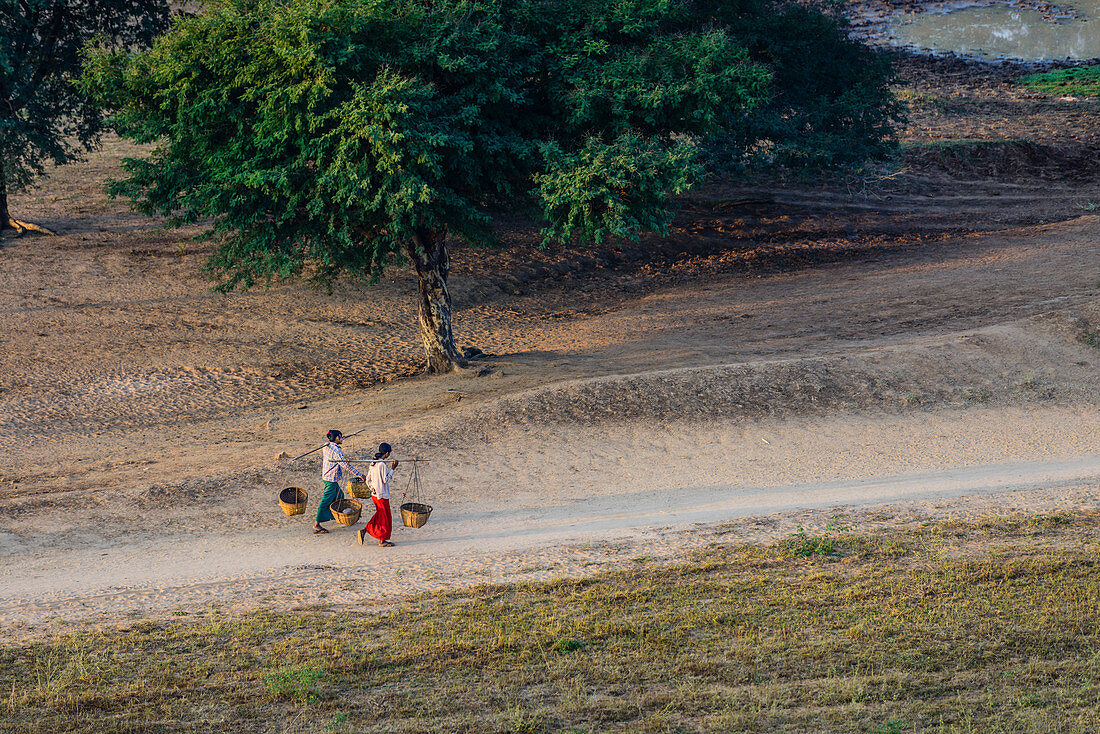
[(939, 627)]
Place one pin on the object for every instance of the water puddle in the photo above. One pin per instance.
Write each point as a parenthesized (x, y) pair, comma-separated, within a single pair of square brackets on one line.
[(1004, 31)]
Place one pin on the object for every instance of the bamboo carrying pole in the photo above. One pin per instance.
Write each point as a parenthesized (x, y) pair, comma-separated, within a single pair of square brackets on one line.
[(384, 461), (311, 451)]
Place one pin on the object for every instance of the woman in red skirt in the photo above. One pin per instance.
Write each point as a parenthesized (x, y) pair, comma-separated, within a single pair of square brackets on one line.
[(378, 479)]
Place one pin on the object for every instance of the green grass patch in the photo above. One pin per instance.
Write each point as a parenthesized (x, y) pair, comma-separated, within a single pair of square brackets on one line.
[(1080, 81), (296, 684), (802, 545), (990, 626)]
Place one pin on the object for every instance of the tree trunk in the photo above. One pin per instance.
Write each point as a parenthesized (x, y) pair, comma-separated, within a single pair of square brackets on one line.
[(5, 217), (429, 253), (6, 220)]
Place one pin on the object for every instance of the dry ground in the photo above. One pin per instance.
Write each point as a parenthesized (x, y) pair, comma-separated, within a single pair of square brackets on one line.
[(892, 339)]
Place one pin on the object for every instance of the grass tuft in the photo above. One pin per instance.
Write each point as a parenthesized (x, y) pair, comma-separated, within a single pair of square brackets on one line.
[(569, 645), (801, 545), (295, 684)]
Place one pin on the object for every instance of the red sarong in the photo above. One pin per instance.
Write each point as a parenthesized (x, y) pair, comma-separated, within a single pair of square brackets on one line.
[(381, 525)]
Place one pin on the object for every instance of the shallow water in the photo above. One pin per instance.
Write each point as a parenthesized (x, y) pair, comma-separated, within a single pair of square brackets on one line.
[(1002, 31)]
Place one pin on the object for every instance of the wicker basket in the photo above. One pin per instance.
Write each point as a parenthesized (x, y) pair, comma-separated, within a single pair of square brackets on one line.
[(293, 501), (414, 514), (358, 488), (346, 511)]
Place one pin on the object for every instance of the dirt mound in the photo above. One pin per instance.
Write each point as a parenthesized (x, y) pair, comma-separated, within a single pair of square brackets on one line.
[(1011, 160), (1052, 358)]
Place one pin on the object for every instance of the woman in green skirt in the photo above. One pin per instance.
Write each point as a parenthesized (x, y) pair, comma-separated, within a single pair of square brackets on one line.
[(332, 471)]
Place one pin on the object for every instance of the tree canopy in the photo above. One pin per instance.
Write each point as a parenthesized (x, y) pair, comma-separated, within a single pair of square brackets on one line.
[(336, 136), (44, 115), (829, 102)]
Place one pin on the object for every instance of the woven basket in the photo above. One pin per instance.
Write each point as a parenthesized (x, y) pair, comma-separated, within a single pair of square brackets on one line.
[(414, 514), (346, 511), (358, 488), (293, 501)]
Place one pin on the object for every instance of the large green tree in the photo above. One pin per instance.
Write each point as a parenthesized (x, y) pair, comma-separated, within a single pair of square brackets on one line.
[(339, 136), (44, 115)]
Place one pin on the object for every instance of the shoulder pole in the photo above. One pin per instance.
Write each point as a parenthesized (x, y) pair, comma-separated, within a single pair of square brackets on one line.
[(350, 435)]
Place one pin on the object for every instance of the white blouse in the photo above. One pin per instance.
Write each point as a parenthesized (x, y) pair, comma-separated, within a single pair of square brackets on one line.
[(379, 479)]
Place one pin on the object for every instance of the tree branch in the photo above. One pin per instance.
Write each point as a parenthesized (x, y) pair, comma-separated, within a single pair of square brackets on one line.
[(20, 53), (47, 62)]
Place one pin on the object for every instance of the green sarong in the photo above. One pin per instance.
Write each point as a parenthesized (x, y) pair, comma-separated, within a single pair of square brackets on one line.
[(331, 494)]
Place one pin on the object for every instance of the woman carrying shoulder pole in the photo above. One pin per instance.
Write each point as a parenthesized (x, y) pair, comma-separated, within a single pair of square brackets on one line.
[(381, 525), (332, 470)]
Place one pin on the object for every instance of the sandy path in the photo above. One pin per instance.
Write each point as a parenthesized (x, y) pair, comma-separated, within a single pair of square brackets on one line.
[(599, 500)]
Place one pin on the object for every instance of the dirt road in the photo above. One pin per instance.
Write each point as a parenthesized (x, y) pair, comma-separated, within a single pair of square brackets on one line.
[(658, 496)]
